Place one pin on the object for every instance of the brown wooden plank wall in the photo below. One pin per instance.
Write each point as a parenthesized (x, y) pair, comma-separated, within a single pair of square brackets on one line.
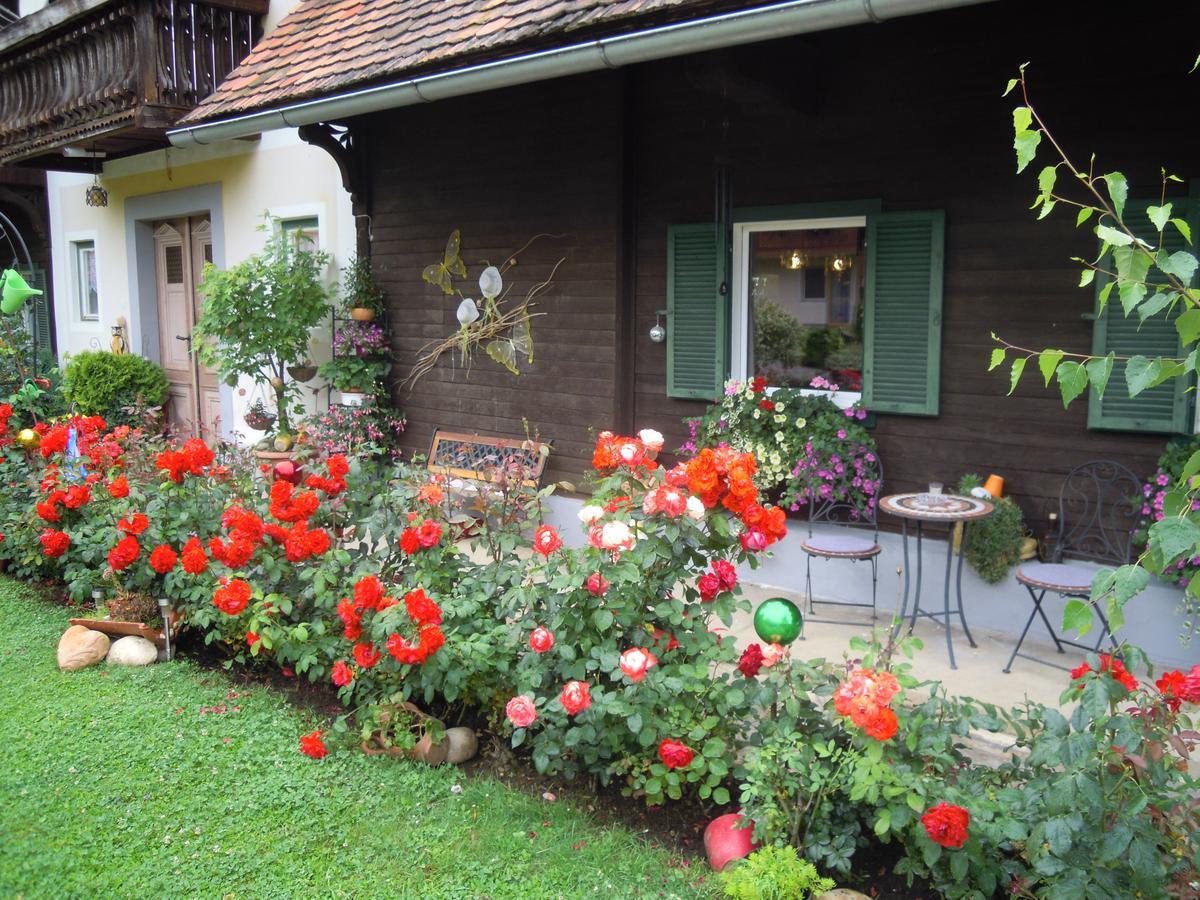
[(908, 112), (503, 168)]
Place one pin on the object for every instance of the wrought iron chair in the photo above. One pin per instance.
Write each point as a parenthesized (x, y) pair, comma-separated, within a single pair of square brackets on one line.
[(1098, 511), (845, 544)]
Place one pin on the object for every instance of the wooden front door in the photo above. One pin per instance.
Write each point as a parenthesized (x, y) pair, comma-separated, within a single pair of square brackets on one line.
[(181, 248)]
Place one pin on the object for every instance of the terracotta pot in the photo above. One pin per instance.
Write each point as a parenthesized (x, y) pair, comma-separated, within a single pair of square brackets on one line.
[(362, 313), (141, 629), (425, 750)]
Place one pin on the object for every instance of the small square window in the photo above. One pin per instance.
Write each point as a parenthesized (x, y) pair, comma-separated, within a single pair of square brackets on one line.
[(87, 286), (304, 233)]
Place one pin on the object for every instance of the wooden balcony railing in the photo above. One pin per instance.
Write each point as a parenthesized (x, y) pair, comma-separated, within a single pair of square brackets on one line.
[(115, 76)]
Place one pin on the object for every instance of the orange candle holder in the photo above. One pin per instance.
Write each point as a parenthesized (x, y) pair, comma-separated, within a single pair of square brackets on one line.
[(994, 486)]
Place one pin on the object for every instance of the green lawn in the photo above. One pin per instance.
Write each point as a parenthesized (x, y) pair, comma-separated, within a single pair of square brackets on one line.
[(115, 784)]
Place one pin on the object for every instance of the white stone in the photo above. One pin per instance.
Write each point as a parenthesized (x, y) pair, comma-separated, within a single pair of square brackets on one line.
[(80, 647), (463, 745), (132, 650)]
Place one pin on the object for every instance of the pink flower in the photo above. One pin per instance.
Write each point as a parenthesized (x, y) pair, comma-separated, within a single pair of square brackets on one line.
[(576, 696), (773, 654), (597, 584), (665, 499), (635, 663), (521, 711), (541, 639), (754, 540), (546, 540)]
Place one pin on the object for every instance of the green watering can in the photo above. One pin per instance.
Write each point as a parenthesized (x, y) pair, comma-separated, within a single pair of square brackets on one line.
[(15, 291)]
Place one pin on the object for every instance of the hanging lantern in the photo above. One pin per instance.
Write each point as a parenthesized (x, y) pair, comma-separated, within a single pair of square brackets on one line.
[(778, 621), (96, 195)]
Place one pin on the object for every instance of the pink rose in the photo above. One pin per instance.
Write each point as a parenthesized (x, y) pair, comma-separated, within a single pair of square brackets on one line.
[(546, 540), (726, 573), (541, 639), (773, 654), (521, 711)]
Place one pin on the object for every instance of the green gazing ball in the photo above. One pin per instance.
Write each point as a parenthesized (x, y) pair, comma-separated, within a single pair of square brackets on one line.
[(778, 621)]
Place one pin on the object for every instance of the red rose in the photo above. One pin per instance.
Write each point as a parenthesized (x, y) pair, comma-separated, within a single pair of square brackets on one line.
[(232, 598), (1191, 686), (54, 543), (421, 609), (312, 745), (252, 638), (576, 696), (124, 554), (546, 540), (709, 585), (597, 584), (368, 592), (1113, 666), (409, 542), (119, 488), (342, 675), (766, 404), (521, 711), (77, 496), (135, 524), (675, 754), (751, 661), (636, 662), (198, 455), (366, 655), (946, 825), (48, 511), (726, 573), (881, 724), (429, 533), (194, 560), (163, 559), (432, 640), (541, 639), (338, 467)]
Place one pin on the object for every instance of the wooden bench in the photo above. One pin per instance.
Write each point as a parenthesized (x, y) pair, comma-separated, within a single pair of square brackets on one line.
[(473, 458)]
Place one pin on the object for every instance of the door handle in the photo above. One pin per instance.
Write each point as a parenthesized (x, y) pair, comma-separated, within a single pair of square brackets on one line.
[(184, 337)]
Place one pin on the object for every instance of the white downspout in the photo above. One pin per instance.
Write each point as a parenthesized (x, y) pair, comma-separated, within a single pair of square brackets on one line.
[(711, 33)]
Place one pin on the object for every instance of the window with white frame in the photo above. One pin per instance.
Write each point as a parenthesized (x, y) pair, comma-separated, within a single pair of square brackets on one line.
[(87, 285), (304, 232), (799, 301)]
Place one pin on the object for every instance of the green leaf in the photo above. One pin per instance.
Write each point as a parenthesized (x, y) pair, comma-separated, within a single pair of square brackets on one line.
[(1026, 144), (1159, 215), (997, 358), (1012, 83), (1086, 277), (1046, 180), (1072, 381), (1077, 616), (1048, 361), (1155, 304), (1183, 228), (1110, 235), (720, 796), (1131, 263), (1181, 264), (1118, 190), (1098, 372), (1172, 538), (1188, 325), (1141, 373), (1191, 468), (602, 619), (1131, 293), (1094, 701), (1018, 366), (1083, 215)]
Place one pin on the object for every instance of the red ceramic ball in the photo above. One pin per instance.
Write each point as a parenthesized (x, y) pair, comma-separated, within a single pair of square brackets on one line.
[(724, 841), (286, 470)]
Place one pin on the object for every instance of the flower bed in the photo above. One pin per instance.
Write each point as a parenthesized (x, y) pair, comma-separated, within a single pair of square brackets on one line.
[(610, 660)]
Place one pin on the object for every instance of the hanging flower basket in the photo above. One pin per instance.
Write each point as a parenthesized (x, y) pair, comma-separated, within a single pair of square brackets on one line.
[(303, 373), (259, 419)]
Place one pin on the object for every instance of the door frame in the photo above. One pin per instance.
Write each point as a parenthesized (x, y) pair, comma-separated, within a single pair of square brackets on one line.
[(140, 214)]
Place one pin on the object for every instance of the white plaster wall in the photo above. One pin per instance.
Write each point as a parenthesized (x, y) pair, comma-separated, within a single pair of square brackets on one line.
[(277, 174)]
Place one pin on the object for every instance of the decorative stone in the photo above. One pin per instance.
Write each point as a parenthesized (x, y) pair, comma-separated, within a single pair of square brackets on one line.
[(80, 647), (778, 621), (724, 841), (843, 894), (463, 745), (132, 650)]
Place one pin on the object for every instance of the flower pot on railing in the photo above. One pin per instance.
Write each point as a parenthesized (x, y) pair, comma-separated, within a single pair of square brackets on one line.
[(362, 313), (351, 397)]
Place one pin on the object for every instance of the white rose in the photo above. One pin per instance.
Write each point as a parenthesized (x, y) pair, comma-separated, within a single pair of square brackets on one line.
[(616, 536), (652, 439), (590, 514), (695, 508)]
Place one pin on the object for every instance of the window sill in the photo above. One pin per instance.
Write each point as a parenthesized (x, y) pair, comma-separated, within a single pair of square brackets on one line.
[(842, 399)]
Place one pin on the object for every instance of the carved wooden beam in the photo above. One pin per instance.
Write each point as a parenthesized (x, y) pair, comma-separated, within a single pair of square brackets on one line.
[(339, 142)]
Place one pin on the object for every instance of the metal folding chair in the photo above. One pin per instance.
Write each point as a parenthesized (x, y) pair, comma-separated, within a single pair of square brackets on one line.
[(846, 544), (1098, 510)]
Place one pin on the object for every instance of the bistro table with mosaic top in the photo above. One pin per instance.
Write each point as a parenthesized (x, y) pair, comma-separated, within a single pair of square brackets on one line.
[(950, 509)]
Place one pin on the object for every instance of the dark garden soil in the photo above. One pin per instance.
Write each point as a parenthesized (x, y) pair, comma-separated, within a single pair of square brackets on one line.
[(677, 827)]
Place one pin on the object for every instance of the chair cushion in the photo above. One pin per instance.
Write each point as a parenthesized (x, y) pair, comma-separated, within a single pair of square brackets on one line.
[(847, 545), (1059, 577)]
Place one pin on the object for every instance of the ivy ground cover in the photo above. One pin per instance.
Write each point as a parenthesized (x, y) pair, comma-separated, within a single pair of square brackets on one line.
[(171, 780)]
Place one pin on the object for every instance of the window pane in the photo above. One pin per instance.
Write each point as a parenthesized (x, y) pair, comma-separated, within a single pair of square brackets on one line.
[(806, 289), (86, 282), (303, 233)]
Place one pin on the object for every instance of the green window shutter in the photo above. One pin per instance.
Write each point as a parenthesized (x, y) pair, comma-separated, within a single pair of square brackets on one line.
[(902, 333), (40, 310), (1163, 409), (697, 318)]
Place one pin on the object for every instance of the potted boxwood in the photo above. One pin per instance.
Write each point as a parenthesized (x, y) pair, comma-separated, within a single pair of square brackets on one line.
[(258, 315), (364, 298)]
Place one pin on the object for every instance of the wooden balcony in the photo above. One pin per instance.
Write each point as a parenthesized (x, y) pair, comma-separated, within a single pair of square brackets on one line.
[(110, 76)]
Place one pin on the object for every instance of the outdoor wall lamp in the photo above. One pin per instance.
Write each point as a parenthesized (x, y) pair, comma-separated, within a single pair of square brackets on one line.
[(658, 333), (164, 607)]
